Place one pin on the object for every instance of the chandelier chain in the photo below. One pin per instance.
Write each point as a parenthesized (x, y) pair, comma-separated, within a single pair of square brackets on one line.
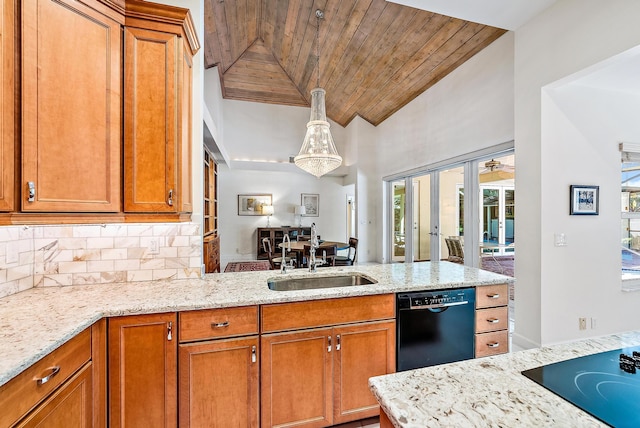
[(319, 16)]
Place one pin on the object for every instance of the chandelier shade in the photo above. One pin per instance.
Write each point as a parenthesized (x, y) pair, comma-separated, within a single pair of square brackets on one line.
[(318, 154)]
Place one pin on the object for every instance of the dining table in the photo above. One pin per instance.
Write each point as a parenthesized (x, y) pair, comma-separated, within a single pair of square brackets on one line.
[(298, 248)]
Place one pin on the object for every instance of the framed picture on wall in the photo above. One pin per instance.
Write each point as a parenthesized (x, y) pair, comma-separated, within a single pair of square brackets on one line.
[(252, 204), (311, 203), (584, 200)]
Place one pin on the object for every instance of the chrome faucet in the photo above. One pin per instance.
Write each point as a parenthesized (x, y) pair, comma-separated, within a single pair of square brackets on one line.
[(313, 243), (286, 246)]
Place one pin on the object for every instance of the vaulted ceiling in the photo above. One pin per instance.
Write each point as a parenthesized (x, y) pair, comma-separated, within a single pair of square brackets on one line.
[(375, 56)]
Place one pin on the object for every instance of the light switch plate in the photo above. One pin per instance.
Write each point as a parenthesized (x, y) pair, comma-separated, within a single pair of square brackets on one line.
[(559, 239)]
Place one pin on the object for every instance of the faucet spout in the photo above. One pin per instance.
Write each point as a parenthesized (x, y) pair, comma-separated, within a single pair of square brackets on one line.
[(314, 244)]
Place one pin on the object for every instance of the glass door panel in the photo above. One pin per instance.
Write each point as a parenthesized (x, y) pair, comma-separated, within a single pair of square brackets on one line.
[(497, 210), (451, 204), (422, 218), (399, 216)]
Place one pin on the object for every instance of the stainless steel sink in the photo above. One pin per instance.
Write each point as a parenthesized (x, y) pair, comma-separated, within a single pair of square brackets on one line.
[(313, 282)]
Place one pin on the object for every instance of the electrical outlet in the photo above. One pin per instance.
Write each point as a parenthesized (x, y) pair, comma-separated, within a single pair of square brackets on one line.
[(582, 323), (153, 247)]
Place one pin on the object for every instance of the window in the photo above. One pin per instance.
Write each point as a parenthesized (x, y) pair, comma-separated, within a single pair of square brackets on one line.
[(630, 213), (630, 204)]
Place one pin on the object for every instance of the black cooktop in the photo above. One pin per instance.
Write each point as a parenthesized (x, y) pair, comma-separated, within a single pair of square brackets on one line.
[(605, 385)]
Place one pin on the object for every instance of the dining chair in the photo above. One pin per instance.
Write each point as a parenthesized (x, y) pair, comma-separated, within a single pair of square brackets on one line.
[(456, 252), (275, 262), (325, 251), (350, 258)]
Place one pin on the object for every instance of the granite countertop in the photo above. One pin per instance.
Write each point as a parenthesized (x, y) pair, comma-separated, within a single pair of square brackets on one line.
[(37, 321), (489, 391)]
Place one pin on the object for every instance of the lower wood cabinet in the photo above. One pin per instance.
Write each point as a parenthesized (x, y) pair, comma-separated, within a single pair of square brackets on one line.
[(319, 377), (143, 371), (66, 388), (219, 368), (492, 320), (69, 406), (219, 383)]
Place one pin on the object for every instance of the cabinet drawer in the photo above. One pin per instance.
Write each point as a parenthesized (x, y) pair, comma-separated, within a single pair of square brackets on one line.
[(318, 313), (492, 319), (216, 323), (492, 343), (488, 296), (23, 392)]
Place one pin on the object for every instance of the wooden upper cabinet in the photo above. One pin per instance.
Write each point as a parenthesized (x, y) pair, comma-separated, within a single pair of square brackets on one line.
[(8, 114), (71, 107), (159, 46)]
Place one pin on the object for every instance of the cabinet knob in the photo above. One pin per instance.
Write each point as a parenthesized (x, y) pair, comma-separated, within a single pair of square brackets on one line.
[(328, 343), (337, 342), (170, 330), (254, 357), (170, 198)]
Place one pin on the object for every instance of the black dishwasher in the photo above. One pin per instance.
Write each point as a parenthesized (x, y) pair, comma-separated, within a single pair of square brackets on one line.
[(435, 327)]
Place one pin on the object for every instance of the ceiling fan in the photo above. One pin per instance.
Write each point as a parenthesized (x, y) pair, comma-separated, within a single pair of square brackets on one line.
[(495, 170)]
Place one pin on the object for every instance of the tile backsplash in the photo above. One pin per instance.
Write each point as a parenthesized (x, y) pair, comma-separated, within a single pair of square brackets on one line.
[(43, 256)]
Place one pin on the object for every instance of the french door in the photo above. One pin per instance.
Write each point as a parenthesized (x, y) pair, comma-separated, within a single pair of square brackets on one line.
[(425, 208)]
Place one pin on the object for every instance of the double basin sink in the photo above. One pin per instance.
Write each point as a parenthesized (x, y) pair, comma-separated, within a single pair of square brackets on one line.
[(313, 282)]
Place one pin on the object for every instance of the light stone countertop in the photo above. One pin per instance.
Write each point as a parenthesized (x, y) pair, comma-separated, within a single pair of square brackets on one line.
[(489, 391), (37, 321)]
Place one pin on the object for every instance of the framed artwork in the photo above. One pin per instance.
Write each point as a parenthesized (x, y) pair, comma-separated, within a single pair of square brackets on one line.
[(252, 204), (584, 200), (311, 203)]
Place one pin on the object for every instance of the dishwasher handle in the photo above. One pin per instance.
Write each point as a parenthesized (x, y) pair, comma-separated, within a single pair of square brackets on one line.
[(437, 305)]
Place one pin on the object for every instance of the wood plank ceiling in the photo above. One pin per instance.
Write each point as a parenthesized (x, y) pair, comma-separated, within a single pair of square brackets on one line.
[(375, 56)]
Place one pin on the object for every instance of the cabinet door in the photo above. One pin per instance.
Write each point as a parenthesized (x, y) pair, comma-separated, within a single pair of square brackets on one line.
[(362, 351), (219, 383), (8, 112), (296, 378), (68, 406), (143, 371), (71, 108), (150, 123)]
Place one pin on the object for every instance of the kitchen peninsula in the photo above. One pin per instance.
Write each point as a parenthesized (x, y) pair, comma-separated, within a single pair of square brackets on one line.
[(490, 391), (39, 322)]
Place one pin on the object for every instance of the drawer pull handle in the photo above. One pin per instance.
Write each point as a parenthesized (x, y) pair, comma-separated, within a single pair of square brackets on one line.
[(338, 342), (493, 296), (220, 324), (254, 357), (493, 320), (53, 371), (329, 344), (493, 344)]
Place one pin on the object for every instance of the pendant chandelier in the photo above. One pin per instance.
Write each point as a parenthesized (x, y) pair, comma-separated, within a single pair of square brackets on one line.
[(318, 154)]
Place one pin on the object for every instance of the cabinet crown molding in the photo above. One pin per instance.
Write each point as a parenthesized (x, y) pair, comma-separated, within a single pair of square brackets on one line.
[(173, 19)]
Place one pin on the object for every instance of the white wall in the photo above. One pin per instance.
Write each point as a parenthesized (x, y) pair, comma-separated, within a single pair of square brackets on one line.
[(554, 150), (238, 233)]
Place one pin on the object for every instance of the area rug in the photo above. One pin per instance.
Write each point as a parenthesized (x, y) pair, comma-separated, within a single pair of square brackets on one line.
[(247, 266)]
